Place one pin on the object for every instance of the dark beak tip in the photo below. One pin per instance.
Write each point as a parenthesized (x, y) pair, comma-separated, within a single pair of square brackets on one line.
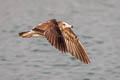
[(71, 26)]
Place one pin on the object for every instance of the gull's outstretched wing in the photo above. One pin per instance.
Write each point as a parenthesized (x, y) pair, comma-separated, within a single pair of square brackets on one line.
[(53, 34), (74, 45)]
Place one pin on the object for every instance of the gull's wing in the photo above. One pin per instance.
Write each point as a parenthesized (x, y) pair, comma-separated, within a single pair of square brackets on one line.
[(74, 45), (53, 34)]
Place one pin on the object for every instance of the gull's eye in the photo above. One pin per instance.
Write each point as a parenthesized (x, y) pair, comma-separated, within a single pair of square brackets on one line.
[(63, 24)]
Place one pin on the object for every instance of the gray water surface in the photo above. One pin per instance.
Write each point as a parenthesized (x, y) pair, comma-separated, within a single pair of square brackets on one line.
[(96, 23)]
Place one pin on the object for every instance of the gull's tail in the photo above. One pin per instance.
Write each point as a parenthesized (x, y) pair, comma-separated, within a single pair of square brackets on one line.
[(26, 34), (31, 33)]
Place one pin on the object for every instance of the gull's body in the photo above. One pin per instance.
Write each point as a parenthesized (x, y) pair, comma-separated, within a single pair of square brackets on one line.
[(61, 36)]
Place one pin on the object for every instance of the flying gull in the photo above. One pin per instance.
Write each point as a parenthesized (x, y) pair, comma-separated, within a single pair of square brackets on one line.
[(60, 35)]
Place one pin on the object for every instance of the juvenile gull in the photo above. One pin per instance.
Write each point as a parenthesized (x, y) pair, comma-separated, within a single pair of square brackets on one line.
[(60, 35)]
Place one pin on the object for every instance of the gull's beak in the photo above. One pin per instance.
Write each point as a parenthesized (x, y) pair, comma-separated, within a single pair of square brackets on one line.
[(71, 26)]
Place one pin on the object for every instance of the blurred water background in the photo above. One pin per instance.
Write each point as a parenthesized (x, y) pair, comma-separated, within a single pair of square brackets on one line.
[(96, 23)]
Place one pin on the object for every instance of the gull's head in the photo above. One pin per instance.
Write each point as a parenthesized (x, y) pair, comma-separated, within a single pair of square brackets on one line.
[(64, 25)]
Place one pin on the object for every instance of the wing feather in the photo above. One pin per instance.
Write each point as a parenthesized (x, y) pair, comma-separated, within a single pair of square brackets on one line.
[(74, 46), (55, 37)]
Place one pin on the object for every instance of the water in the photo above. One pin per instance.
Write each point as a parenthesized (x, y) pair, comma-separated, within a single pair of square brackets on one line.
[(96, 23)]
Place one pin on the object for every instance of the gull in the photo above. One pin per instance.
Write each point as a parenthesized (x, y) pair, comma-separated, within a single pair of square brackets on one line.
[(60, 35)]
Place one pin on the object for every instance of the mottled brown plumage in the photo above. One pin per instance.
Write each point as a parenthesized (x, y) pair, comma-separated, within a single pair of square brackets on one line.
[(60, 35), (74, 45)]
